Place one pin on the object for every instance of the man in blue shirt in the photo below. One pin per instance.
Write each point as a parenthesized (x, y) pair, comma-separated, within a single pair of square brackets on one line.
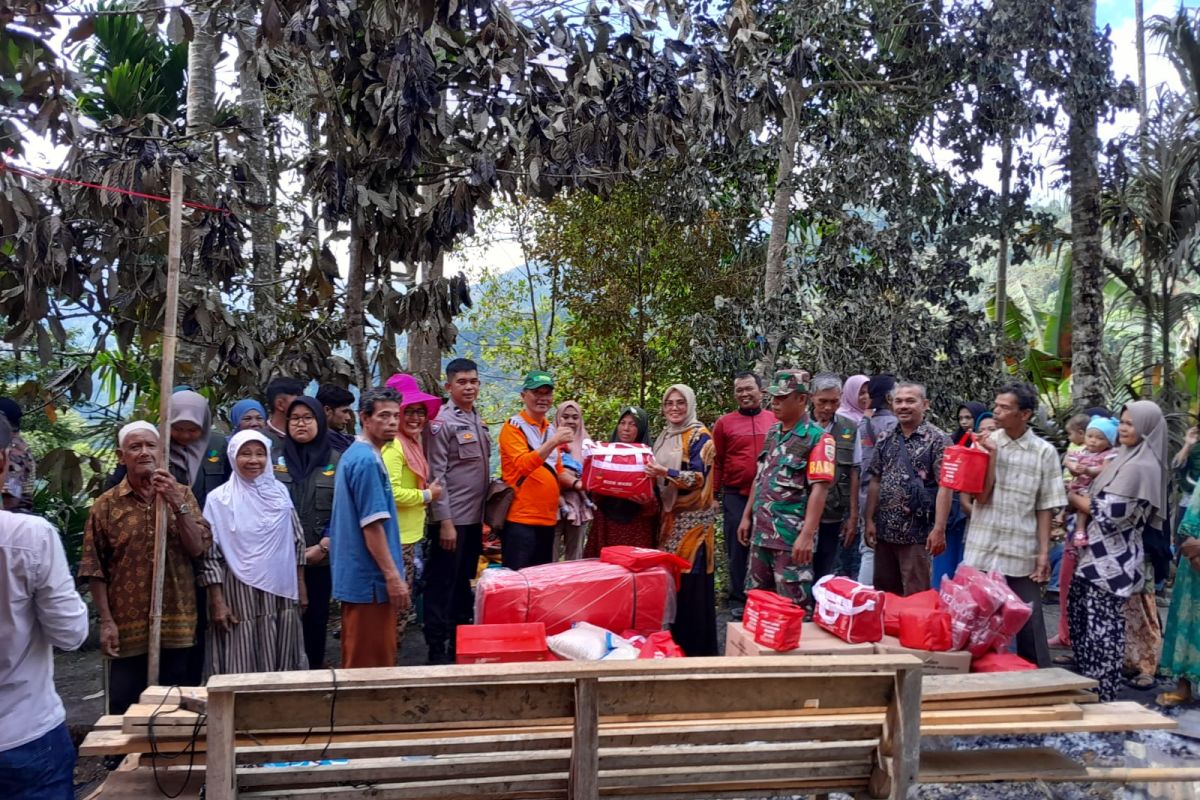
[(365, 555)]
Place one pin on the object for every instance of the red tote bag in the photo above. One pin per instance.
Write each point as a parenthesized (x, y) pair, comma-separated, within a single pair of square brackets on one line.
[(618, 470), (964, 468)]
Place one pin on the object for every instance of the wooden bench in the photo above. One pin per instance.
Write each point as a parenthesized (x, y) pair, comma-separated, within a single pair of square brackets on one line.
[(680, 728)]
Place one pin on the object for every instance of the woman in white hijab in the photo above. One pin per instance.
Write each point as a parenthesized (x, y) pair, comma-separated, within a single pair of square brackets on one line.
[(254, 570), (682, 463)]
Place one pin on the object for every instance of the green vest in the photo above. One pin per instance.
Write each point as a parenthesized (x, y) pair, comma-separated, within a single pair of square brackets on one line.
[(312, 497), (837, 503)]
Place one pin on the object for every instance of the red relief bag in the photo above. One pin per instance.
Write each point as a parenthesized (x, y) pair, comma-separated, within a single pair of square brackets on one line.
[(616, 469), (640, 559), (779, 626), (964, 468), (758, 600), (894, 605), (925, 629), (848, 609)]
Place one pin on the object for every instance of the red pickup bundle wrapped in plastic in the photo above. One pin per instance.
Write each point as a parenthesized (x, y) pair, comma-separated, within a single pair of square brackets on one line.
[(985, 613), (894, 605), (559, 594), (616, 469), (848, 609)]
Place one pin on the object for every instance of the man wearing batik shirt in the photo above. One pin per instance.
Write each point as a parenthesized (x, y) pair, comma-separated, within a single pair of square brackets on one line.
[(118, 561), (906, 509), (788, 497)]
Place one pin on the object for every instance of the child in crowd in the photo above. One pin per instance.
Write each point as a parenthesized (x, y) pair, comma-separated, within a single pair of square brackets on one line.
[(1083, 465), (1076, 435)]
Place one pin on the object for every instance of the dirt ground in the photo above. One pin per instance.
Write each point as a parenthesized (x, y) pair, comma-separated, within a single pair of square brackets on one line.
[(79, 678)]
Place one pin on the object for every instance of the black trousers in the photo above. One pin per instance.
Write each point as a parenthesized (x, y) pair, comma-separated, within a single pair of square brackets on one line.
[(733, 505), (318, 580), (1031, 640), (695, 626), (448, 601), (828, 547), (127, 677), (524, 545)]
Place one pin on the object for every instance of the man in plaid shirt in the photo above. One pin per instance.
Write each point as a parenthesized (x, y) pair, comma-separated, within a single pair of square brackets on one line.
[(1010, 527)]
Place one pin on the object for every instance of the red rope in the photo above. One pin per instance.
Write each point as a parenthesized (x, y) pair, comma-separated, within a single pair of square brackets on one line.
[(130, 192)]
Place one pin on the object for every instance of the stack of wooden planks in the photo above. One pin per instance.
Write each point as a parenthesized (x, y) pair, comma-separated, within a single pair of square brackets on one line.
[(158, 733)]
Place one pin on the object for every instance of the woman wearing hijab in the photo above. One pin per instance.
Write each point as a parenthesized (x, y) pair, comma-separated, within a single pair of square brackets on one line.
[(574, 507), (1127, 503), (855, 398), (408, 471), (198, 453), (254, 569), (946, 564), (248, 415), (682, 464), (624, 522), (1181, 643), (307, 468)]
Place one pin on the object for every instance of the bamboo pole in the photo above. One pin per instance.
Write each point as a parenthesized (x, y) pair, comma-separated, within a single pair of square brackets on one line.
[(165, 385)]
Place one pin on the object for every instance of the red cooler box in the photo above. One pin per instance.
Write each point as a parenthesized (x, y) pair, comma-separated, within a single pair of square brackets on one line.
[(494, 644), (565, 592)]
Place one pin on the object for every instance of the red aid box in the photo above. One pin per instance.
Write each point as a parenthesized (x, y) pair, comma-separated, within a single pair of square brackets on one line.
[(894, 604), (640, 559), (925, 629), (848, 609), (566, 592), (617, 469), (494, 644)]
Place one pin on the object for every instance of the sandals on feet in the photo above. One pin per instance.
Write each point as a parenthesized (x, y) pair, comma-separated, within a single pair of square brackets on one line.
[(1142, 682), (1173, 699)]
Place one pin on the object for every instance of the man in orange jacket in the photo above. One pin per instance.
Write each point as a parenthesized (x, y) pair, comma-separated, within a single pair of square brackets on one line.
[(530, 464)]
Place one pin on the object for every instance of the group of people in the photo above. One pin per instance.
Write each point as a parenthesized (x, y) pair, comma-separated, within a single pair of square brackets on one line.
[(292, 510)]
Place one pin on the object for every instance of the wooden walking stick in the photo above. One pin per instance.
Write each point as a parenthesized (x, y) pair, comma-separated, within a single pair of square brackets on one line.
[(165, 385)]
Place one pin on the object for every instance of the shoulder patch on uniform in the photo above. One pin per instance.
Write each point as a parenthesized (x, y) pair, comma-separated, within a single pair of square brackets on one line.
[(329, 470), (281, 468), (212, 456), (435, 426)]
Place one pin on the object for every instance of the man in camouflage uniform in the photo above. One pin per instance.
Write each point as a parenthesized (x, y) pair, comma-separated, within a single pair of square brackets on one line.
[(795, 469)]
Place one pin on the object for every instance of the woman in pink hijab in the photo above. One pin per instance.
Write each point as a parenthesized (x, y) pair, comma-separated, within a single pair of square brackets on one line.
[(855, 399), (575, 509)]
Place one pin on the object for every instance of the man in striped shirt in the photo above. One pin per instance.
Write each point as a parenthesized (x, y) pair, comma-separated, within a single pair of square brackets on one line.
[(1010, 527)]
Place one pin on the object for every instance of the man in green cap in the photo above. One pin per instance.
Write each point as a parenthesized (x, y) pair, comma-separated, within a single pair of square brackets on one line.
[(530, 464), (795, 470)]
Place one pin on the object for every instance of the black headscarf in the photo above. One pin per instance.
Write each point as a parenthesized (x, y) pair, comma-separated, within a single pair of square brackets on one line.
[(976, 409), (615, 508), (303, 459)]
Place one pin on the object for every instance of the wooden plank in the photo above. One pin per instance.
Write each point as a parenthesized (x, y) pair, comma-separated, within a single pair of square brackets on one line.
[(515, 787), (1002, 684), (904, 727), (660, 777), (1016, 701), (1098, 718), (221, 768), (982, 766), (745, 695), (583, 782), (404, 705), (171, 694), (387, 766), (551, 671), (554, 786)]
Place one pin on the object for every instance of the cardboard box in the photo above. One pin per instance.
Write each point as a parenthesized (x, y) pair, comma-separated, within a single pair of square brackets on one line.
[(934, 663), (507, 643), (813, 642)]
